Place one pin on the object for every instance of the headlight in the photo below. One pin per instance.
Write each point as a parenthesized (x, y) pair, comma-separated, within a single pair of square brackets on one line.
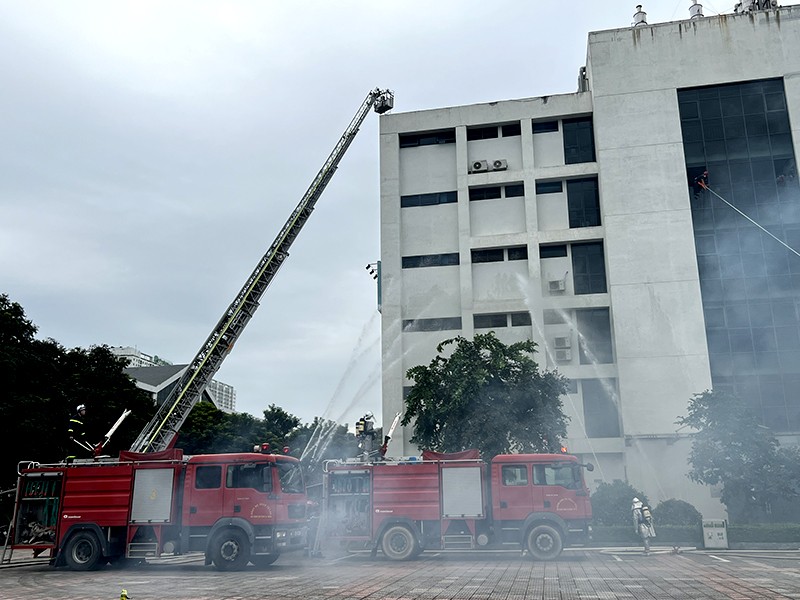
[(280, 534)]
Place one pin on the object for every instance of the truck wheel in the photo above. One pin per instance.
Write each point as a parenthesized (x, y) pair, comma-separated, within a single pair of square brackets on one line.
[(264, 560), (230, 550), (544, 542), (82, 552), (399, 543)]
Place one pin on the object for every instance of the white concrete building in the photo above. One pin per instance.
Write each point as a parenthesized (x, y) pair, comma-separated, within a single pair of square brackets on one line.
[(571, 220)]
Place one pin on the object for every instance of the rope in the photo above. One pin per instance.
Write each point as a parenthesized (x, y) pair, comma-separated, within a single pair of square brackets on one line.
[(703, 185)]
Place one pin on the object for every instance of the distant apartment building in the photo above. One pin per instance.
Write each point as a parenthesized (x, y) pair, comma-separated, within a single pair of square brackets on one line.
[(574, 220), (158, 376)]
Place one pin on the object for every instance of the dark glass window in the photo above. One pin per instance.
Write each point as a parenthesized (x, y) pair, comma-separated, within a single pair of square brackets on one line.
[(515, 475), (740, 134), (594, 329), (489, 321), (428, 138), (484, 193), (578, 140), (481, 133), (428, 199), (589, 268), (440, 324), (549, 187), (291, 476), (554, 251), (256, 476), (518, 253), (545, 127), (521, 319), (430, 260), (600, 408), (208, 478), (583, 202), (488, 255), (511, 130), (515, 190)]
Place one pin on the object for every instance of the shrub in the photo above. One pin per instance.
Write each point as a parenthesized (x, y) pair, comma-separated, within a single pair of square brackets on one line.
[(677, 512), (611, 503)]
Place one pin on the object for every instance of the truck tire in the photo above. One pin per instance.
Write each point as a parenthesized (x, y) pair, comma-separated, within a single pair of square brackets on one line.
[(399, 543), (230, 550), (544, 542), (82, 552), (264, 560)]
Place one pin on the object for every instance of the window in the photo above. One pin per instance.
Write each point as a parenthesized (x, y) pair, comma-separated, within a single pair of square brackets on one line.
[(429, 138), (545, 127), (588, 268), (600, 411), (428, 199), (515, 190), (515, 475), (549, 187), (489, 321), (257, 476), (440, 324), (291, 477), (481, 133), (583, 202), (554, 317), (488, 255), (565, 475), (521, 319), (430, 260), (208, 478), (594, 329), (554, 251), (518, 253), (511, 130), (484, 193), (578, 140)]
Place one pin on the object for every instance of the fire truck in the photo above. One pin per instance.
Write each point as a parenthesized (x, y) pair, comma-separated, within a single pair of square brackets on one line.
[(236, 508), (538, 503)]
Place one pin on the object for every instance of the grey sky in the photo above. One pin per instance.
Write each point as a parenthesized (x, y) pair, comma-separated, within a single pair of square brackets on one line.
[(152, 150)]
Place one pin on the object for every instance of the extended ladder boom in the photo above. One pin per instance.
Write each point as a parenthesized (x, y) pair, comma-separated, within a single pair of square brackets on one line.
[(160, 432)]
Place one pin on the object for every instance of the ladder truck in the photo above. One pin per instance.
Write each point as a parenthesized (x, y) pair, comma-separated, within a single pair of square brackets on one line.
[(152, 500)]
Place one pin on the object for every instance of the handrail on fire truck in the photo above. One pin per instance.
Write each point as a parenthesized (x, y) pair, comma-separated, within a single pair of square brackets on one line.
[(170, 416)]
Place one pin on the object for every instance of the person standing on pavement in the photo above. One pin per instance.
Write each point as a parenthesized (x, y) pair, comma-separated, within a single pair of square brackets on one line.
[(643, 523)]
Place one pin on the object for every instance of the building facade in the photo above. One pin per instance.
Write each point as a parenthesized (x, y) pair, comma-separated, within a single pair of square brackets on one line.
[(575, 220)]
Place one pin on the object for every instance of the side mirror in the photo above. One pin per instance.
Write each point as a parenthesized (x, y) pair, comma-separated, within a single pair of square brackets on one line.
[(589, 467)]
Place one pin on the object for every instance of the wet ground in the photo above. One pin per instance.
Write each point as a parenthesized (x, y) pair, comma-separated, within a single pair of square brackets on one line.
[(597, 574)]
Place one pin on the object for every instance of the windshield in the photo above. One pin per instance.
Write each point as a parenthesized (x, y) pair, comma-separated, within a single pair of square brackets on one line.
[(291, 478)]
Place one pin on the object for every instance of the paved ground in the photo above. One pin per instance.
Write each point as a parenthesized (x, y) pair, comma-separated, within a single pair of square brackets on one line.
[(596, 574)]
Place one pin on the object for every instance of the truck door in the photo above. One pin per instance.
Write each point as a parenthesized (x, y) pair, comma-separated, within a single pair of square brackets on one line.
[(560, 483), (203, 493), (513, 496)]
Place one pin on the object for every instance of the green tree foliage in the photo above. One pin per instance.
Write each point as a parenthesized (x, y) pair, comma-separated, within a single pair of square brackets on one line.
[(611, 502), (677, 512), (732, 449), (486, 395)]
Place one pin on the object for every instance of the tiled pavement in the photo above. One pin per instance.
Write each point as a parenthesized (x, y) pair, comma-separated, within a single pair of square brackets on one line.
[(595, 574)]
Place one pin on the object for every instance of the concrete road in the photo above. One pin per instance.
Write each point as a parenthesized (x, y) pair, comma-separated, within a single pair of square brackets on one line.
[(598, 574)]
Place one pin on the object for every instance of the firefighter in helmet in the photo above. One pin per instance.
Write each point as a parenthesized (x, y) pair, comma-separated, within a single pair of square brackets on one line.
[(77, 429)]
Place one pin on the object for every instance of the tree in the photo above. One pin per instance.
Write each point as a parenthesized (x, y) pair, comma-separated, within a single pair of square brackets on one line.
[(611, 503), (732, 449), (486, 395)]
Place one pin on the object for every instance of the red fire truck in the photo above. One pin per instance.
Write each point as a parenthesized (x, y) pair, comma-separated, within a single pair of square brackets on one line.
[(236, 508), (536, 502)]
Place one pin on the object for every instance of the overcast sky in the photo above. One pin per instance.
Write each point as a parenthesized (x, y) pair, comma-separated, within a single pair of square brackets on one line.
[(150, 152)]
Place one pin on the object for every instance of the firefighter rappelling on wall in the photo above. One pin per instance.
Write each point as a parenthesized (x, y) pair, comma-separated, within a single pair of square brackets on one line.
[(235, 508)]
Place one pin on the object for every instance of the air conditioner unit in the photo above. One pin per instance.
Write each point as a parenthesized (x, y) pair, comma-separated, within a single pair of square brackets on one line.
[(557, 285), (501, 164), (479, 166), (562, 342), (563, 355)]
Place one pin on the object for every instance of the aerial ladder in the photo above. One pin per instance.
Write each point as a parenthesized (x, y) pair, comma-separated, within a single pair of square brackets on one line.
[(160, 432)]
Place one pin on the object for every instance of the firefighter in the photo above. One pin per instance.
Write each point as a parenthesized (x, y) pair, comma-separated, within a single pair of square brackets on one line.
[(643, 523), (77, 429)]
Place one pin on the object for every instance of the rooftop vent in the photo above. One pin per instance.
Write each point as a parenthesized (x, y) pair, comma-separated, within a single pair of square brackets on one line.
[(695, 10), (639, 17)]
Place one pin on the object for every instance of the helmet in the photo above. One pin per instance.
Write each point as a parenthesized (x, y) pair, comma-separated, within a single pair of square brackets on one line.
[(81, 407)]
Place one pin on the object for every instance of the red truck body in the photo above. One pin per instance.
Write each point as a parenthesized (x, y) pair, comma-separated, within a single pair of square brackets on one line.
[(236, 508), (536, 502)]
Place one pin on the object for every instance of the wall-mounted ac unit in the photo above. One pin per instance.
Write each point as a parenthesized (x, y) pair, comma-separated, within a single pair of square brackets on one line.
[(562, 342), (479, 166), (500, 164), (556, 285), (563, 355)]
